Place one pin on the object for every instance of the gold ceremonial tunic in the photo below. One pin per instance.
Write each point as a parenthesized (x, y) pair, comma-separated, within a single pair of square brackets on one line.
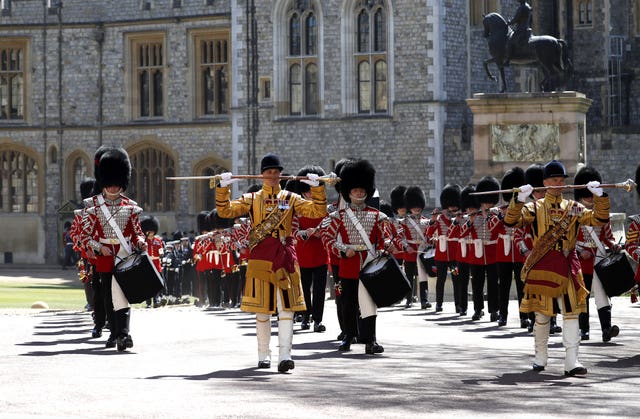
[(541, 216), (259, 295)]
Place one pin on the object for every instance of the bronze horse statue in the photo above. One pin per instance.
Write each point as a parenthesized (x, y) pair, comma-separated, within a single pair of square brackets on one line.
[(549, 53)]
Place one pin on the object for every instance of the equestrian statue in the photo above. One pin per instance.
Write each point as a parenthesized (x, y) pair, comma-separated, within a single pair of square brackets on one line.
[(512, 42)]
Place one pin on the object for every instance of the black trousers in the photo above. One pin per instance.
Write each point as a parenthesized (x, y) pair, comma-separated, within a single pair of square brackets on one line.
[(478, 275), (314, 285), (506, 272), (350, 306), (462, 290), (99, 311), (338, 284), (411, 270), (105, 279), (200, 286), (442, 268), (214, 287)]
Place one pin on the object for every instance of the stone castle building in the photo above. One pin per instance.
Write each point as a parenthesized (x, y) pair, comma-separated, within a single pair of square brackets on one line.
[(198, 87)]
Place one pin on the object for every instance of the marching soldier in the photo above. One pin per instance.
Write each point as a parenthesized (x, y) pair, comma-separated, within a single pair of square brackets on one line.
[(203, 256), (414, 242), (155, 247), (480, 228), (468, 204), (440, 229), (312, 257), (552, 275), (273, 276), (590, 244), (632, 244), (111, 229), (399, 208), (508, 258), (86, 265), (523, 237), (355, 234)]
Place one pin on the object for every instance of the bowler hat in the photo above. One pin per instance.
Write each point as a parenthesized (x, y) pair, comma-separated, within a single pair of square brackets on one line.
[(554, 169)]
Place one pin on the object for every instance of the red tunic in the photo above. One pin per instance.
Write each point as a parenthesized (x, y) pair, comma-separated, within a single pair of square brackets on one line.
[(310, 250), (339, 234)]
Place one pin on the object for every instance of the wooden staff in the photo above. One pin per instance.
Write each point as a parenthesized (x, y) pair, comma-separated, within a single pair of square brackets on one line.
[(627, 185)]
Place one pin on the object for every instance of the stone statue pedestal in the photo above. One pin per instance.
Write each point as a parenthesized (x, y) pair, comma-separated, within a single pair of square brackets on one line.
[(519, 129)]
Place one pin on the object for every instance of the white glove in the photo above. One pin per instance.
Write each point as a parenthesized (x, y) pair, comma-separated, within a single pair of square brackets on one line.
[(594, 188), (525, 191), (311, 180), (225, 179)]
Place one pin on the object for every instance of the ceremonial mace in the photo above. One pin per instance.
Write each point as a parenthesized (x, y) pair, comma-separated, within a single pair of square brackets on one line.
[(628, 185), (330, 179)]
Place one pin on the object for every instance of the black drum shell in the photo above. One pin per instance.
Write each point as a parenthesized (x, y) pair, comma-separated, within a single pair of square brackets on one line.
[(387, 284), (138, 277), (615, 274)]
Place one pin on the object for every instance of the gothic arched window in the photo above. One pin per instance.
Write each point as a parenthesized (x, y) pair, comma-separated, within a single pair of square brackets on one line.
[(79, 167), (148, 186), (18, 182), (370, 56), (302, 58), (585, 12)]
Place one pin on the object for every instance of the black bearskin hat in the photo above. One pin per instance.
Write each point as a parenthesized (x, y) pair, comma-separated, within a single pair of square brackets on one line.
[(584, 176), (290, 185), (467, 200), (386, 209), (533, 175), (338, 168), (513, 178), (301, 187), (86, 188), (218, 222), (204, 224), (488, 184), (177, 235), (114, 169), (397, 198), (450, 196), (357, 174), (97, 188), (414, 198), (270, 161), (149, 223), (253, 188)]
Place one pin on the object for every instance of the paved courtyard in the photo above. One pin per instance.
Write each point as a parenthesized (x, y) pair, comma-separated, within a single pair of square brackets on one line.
[(192, 363)]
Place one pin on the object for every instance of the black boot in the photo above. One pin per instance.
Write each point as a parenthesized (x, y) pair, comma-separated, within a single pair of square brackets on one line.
[(124, 340), (424, 295), (369, 333), (583, 321), (553, 326), (345, 345), (111, 320), (608, 331)]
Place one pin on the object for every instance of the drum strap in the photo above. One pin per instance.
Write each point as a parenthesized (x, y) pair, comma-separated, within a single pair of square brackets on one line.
[(113, 224), (416, 228), (360, 229), (597, 241)]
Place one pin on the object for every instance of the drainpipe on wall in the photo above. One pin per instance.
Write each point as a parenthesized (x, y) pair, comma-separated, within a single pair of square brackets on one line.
[(98, 35), (47, 250)]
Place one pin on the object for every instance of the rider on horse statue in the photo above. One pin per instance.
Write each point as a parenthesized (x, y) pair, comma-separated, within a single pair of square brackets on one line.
[(521, 24)]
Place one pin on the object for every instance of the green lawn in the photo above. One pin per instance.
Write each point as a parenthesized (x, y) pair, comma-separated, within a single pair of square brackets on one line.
[(58, 297)]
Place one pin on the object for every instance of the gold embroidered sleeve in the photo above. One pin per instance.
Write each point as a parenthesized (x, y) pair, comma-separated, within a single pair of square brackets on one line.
[(316, 207), (231, 209)]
